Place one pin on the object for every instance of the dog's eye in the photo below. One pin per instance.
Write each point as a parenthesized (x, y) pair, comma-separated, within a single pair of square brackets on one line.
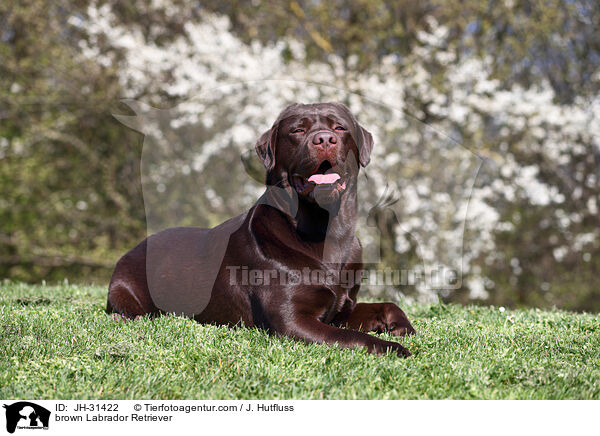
[(298, 131), (340, 128)]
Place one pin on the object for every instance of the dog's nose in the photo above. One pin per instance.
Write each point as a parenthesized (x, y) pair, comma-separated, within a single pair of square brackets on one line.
[(324, 139)]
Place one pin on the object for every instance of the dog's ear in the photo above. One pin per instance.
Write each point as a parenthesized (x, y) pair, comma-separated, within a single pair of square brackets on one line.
[(254, 167), (364, 142), (265, 147)]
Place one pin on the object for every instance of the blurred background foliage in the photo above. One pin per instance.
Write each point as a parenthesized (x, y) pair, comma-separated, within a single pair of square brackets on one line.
[(71, 199)]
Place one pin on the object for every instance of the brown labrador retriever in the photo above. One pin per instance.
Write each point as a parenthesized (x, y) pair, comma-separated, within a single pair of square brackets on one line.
[(280, 265)]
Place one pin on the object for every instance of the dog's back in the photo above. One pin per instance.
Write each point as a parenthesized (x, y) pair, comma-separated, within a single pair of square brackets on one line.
[(174, 270)]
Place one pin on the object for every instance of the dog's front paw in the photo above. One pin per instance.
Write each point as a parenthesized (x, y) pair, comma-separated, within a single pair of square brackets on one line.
[(401, 351), (396, 322), (401, 330), (394, 347)]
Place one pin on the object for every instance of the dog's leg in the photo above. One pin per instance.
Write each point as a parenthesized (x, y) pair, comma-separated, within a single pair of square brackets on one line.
[(312, 330), (380, 318), (127, 300), (128, 292)]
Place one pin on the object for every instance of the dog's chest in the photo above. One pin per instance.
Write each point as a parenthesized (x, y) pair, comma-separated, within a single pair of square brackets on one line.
[(340, 282), (341, 303), (345, 278)]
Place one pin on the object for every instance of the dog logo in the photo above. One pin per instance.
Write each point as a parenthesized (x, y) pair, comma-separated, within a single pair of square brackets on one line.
[(26, 415)]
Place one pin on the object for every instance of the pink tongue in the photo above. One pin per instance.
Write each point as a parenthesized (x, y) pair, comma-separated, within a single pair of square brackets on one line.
[(324, 179)]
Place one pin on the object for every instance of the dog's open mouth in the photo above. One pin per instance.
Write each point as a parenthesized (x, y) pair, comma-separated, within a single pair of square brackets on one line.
[(325, 179)]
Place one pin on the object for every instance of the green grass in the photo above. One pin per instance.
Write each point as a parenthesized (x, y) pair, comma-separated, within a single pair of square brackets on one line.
[(57, 343)]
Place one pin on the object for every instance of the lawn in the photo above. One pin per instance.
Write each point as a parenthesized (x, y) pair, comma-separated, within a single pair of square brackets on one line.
[(57, 343)]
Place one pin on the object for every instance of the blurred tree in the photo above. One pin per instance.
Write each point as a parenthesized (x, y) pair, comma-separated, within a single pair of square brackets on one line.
[(68, 170), (527, 39)]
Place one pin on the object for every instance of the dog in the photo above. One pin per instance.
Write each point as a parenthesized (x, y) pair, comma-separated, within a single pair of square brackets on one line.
[(305, 222)]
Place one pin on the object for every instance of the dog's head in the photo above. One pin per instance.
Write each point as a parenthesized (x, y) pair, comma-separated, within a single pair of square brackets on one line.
[(315, 149)]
